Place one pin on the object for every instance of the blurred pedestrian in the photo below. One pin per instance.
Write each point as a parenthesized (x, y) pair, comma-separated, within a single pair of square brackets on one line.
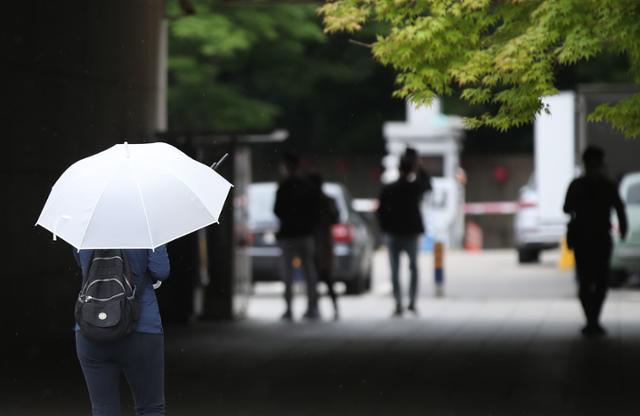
[(296, 206), (400, 218), (139, 355), (589, 201), (328, 215), (420, 175)]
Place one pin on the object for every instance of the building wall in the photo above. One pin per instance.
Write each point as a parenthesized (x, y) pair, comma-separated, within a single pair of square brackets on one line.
[(79, 76), (484, 185), (360, 174)]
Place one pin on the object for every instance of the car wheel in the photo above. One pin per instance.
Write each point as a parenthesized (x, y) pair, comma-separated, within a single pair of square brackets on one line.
[(528, 255), (355, 286), (360, 284), (367, 279), (617, 277), (367, 283)]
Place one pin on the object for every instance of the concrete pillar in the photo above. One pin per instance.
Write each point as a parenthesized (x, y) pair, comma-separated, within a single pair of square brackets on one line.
[(79, 76)]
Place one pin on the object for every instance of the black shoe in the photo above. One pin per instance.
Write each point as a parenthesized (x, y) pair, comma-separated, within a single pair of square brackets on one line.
[(593, 330), (311, 315), (287, 316), (412, 308), (336, 311), (397, 313)]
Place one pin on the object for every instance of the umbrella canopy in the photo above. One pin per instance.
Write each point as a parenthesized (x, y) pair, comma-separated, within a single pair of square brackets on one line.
[(133, 196)]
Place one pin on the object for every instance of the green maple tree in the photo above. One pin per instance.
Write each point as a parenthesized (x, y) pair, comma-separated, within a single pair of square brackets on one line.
[(499, 55)]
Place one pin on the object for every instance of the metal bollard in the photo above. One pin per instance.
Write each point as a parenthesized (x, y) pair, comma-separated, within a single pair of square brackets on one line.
[(438, 271), (298, 276)]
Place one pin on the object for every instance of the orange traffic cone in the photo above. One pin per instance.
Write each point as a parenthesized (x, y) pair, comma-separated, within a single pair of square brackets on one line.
[(473, 237)]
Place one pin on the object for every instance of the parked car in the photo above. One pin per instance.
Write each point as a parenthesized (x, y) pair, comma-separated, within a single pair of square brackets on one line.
[(531, 234), (625, 258), (353, 242)]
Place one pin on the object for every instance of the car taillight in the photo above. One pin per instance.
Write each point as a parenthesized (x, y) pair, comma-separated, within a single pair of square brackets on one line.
[(526, 204), (342, 233)]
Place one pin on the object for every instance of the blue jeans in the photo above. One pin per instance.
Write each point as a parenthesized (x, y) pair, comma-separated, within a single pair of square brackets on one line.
[(139, 356), (409, 244)]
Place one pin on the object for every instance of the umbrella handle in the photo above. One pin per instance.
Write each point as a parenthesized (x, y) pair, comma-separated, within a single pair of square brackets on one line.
[(215, 165)]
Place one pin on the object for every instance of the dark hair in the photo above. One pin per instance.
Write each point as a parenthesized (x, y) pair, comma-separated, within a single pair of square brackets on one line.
[(406, 165), (593, 157), (316, 179), (411, 152), (291, 161)]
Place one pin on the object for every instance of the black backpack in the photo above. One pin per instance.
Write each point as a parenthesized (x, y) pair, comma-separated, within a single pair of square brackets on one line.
[(107, 305)]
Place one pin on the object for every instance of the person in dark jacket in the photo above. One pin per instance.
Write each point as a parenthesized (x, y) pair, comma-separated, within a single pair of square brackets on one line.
[(422, 178), (328, 215), (296, 206), (589, 201), (138, 356), (400, 218)]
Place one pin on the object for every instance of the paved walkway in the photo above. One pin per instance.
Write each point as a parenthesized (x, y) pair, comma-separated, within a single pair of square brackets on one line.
[(504, 341)]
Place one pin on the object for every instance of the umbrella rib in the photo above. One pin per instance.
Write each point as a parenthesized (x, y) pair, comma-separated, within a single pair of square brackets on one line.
[(144, 207)]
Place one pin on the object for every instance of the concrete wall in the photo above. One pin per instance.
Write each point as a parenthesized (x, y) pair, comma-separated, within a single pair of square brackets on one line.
[(622, 154), (482, 186), (79, 76), (359, 173)]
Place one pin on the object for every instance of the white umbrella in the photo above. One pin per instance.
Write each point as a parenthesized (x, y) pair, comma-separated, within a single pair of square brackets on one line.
[(133, 196)]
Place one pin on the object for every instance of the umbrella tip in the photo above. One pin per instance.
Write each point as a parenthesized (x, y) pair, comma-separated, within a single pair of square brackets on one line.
[(126, 148)]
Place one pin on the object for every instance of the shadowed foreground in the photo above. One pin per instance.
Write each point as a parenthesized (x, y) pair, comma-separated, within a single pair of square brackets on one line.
[(467, 354)]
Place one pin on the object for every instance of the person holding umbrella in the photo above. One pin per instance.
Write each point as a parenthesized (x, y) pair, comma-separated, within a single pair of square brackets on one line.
[(138, 355), (118, 209)]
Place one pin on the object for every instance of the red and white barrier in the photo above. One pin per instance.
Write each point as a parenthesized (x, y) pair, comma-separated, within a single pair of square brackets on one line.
[(482, 208)]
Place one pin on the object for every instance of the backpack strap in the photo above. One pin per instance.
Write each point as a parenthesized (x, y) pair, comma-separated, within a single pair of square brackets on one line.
[(85, 273), (138, 291)]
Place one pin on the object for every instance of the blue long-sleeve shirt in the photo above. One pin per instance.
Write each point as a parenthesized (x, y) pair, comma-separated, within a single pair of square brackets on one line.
[(157, 264)]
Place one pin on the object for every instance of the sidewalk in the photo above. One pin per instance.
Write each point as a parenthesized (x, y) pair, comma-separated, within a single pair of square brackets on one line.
[(504, 343)]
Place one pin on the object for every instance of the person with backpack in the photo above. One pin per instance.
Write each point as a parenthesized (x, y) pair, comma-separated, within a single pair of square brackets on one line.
[(328, 215), (118, 328)]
